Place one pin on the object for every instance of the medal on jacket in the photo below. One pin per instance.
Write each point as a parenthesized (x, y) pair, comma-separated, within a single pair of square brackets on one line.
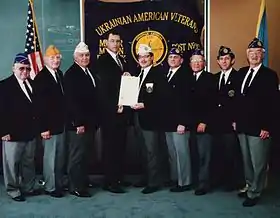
[(149, 87), (231, 93)]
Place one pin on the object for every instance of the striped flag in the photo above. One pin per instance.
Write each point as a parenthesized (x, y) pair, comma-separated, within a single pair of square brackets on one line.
[(32, 43), (261, 32)]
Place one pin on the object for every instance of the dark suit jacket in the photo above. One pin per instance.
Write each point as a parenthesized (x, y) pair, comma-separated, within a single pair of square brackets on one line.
[(202, 94), (110, 79), (50, 102), (256, 109), (177, 106), (152, 116), (225, 99), (81, 98), (18, 117)]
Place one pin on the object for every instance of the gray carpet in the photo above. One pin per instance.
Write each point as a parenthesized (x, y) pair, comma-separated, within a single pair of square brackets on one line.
[(133, 204)]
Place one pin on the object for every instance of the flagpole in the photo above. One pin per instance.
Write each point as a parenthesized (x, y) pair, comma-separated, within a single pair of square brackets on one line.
[(82, 20), (260, 17)]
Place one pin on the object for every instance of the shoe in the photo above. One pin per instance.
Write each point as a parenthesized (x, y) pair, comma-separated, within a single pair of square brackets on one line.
[(140, 184), (33, 193), (250, 202), (117, 189), (54, 194), (81, 194), (19, 198), (150, 189), (125, 183), (242, 194), (200, 191), (93, 185), (179, 188)]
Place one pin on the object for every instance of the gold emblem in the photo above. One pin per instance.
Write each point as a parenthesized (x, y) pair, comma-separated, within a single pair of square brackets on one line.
[(225, 51), (153, 39), (177, 51), (231, 93)]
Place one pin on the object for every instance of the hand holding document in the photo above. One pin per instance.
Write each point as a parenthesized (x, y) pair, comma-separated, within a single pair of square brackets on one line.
[(129, 90)]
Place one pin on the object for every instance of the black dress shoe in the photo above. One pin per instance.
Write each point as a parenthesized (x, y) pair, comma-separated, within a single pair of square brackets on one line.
[(242, 194), (140, 184), (19, 198), (117, 189), (81, 194), (179, 188), (125, 183), (150, 189), (55, 194), (200, 191), (93, 185), (250, 202)]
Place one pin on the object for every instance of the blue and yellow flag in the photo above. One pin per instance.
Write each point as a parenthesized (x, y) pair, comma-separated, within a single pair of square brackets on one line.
[(261, 32)]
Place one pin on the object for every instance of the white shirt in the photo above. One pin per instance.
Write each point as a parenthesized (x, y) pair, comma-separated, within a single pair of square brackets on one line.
[(256, 69), (226, 73), (145, 73), (197, 75), (84, 69), (52, 72), (114, 55), (174, 70), (23, 87)]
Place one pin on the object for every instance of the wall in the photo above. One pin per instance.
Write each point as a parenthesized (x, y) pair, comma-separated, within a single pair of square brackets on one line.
[(233, 24)]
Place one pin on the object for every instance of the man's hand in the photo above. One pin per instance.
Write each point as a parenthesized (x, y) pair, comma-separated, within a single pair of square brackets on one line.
[(138, 106), (201, 127), (6, 137), (264, 134), (234, 126), (46, 134), (126, 74), (120, 109), (80, 130), (180, 129)]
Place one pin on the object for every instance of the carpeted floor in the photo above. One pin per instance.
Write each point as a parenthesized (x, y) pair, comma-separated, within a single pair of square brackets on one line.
[(133, 204)]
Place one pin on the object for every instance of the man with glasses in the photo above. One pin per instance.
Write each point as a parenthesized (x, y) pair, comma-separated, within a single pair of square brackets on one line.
[(50, 104), (18, 130), (256, 114), (202, 92)]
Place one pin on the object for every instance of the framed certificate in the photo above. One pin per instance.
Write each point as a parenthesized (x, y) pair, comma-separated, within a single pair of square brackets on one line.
[(129, 90)]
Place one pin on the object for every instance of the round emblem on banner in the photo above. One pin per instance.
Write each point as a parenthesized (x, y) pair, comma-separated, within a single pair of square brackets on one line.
[(231, 93), (153, 39)]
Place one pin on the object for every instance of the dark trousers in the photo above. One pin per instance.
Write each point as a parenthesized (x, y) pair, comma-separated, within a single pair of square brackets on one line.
[(114, 145), (79, 147)]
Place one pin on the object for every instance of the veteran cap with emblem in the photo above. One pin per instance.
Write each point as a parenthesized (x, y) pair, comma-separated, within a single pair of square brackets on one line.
[(256, 43), (81, 48), (52, 51), (21, 58), (144, 49), (198, 52), (225, 51), (175, 51)]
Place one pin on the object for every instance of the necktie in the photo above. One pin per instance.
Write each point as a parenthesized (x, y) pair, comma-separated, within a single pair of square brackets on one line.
[(223, 82), (28, 90), (247, 82), (169, 75), (194, 76), (58, 81), (119, 62), (91, 79), (141, 76)]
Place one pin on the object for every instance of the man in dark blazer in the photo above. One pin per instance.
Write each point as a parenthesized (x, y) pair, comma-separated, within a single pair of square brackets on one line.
[(82, 118), (223, 125), (177, 121), (110, 67), (153, 85), (256, 112), (202, 92), (50, 104), (18, 130)]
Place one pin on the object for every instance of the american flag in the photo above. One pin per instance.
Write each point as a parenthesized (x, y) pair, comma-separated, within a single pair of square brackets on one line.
[(32, 44)]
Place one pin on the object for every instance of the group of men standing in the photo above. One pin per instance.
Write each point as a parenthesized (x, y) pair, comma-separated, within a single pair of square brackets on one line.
[(188, 109)]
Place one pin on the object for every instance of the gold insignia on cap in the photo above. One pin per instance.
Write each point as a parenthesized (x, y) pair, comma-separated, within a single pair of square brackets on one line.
[(202, 52), (259, 43), (225, 50), (177, 50)]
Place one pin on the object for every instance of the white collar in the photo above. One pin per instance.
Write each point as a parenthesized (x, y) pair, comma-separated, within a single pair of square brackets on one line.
[(114, 55)]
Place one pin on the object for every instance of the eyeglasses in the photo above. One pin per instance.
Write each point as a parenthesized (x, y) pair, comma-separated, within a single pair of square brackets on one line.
[(24, 68), (197, 61), (143, 56)]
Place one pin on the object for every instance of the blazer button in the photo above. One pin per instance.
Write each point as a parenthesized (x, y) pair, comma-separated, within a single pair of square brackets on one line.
[(219, 105)]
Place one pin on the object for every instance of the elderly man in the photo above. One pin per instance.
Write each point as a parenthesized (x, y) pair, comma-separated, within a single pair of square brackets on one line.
[(81, 100), (224, 120), (110, 67), (153, 85), (50, 104), (257, 95), (177, 121), (18, 130), (202, 92)]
